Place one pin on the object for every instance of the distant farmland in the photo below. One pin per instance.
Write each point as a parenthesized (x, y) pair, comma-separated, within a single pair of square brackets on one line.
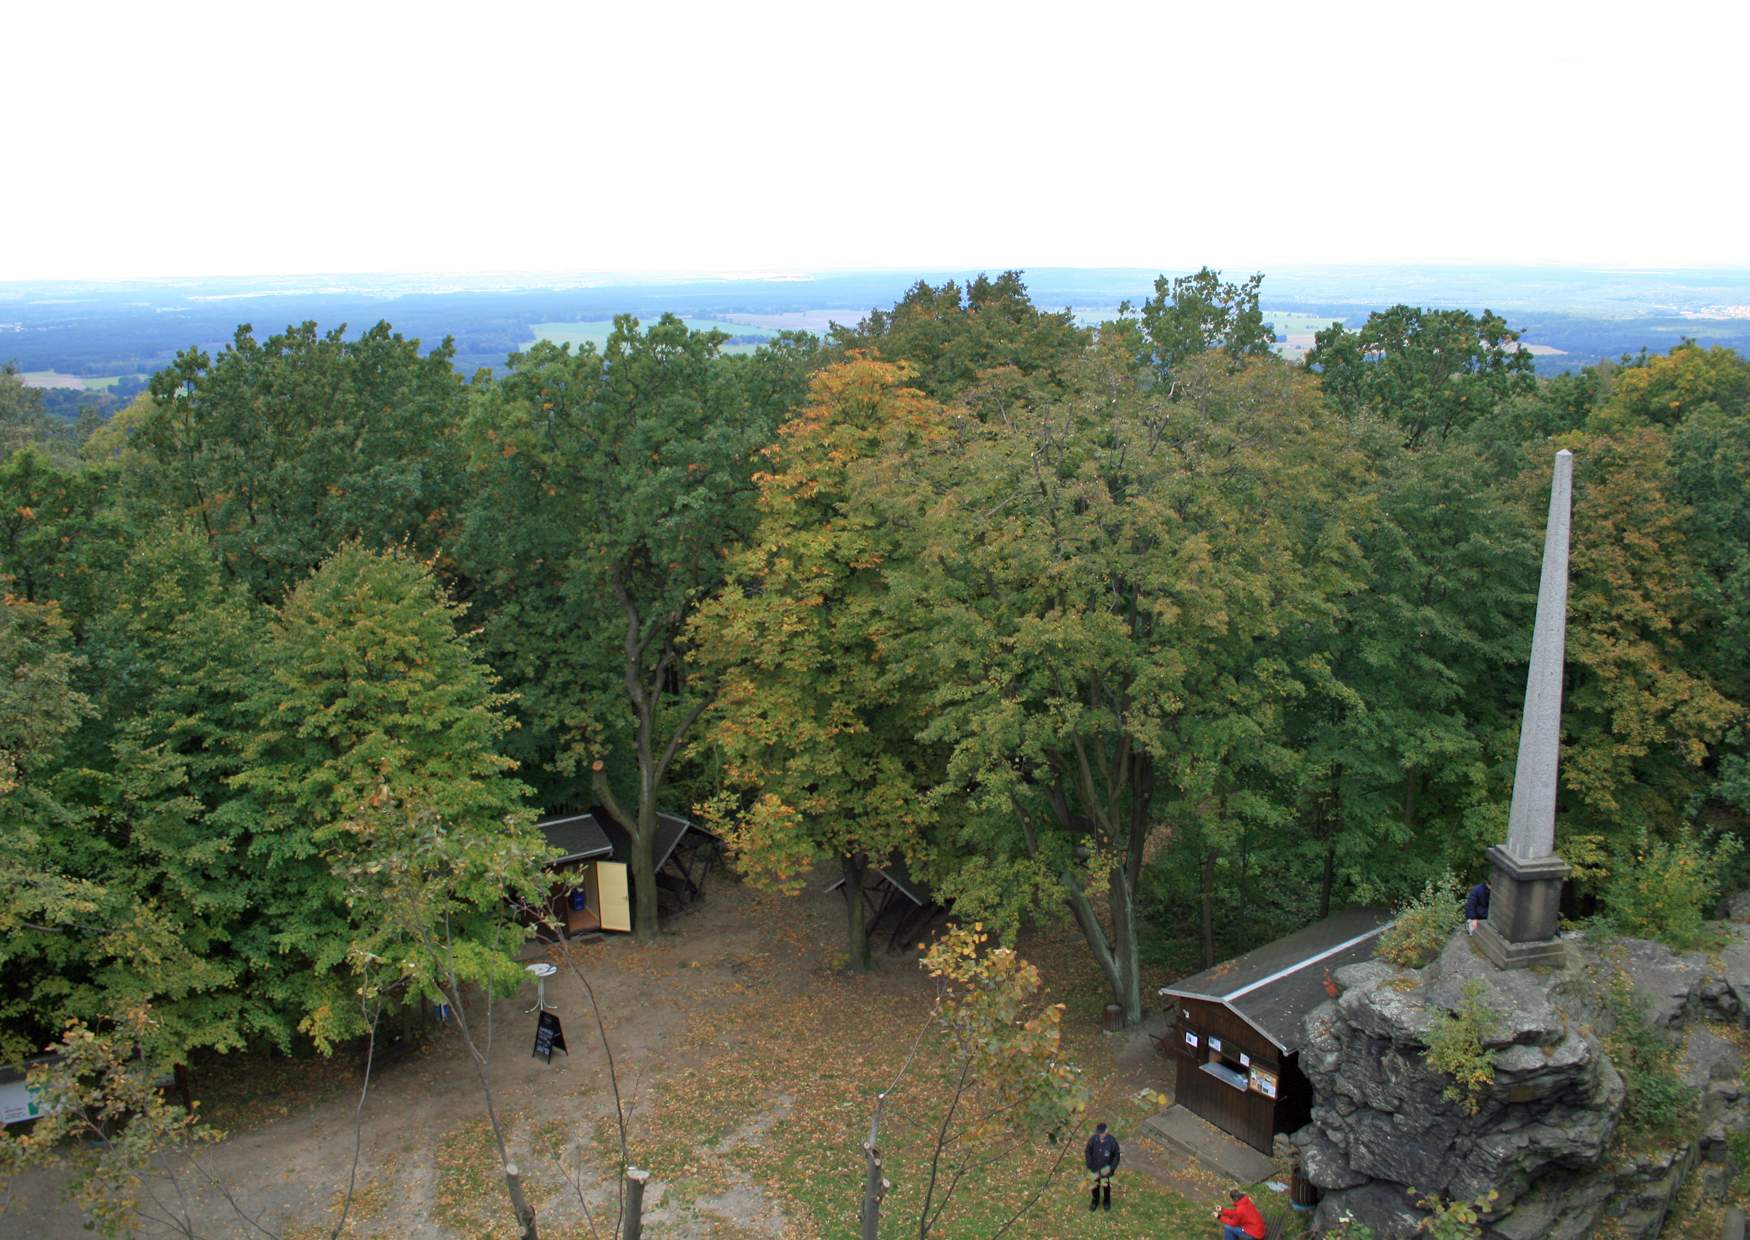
[(745, 337), (77, 383)]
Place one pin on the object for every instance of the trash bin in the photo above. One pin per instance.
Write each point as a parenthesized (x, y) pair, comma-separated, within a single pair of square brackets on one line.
[(1303, 1194), (1113, 1021)]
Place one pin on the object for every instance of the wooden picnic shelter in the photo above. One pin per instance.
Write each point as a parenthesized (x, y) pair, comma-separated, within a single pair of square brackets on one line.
[(897, 902), (684, 855)]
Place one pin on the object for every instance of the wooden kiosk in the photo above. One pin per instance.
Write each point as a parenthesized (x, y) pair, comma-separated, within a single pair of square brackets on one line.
[(586, 875), (594, 868), (1235, 1030)]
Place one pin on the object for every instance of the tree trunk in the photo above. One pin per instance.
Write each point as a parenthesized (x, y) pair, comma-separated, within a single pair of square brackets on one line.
[(1127, 986), (634, 1225), (644, 903), (1119, 957), (856, 872), (1093, 932), (525, 1213), (1208, 902), (874, 1185), (1330, 873)]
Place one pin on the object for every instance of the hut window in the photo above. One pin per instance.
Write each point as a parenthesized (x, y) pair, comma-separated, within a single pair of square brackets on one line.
[(1225, 1072)]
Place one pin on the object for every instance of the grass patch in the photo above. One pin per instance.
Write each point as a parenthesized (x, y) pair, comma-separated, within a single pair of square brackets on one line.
[(776, 1096), (471, 1199), (1660, 1105), (1455, 1049), (56, 379)]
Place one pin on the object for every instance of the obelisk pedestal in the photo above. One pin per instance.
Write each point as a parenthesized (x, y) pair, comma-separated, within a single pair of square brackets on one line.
[(1525, 899), (1525, 890)]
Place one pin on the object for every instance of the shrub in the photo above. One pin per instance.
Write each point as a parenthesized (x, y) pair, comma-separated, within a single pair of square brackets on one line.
[(1659, 1102), (1666, 890), (1452, 1220), (1348, 1227), (1455, 1049), (1738, 1158), (1424, 924)]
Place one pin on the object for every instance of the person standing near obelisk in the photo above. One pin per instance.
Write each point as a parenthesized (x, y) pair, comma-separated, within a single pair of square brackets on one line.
[(1526, 886)]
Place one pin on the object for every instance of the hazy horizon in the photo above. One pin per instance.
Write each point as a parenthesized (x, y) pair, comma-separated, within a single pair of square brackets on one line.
[(716, 139)]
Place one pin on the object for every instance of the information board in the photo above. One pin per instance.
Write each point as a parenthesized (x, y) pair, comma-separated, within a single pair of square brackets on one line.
[(549, 1036), (1263, 1081)]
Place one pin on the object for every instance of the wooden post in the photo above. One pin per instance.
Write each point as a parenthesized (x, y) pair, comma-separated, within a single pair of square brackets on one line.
[(634, 1227), (874, 1184), (525, 1213), (1735, 1224)]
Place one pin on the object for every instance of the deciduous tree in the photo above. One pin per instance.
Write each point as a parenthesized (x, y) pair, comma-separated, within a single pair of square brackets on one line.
[(811, 731)]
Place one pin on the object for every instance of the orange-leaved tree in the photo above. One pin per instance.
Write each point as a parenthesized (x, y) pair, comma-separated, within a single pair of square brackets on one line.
[(985, 1080)]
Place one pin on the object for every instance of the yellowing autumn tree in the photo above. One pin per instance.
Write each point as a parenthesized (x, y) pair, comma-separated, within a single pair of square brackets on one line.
[(813, 736)]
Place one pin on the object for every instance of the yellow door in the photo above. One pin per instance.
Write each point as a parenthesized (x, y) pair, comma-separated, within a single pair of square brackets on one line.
[(616, 907)]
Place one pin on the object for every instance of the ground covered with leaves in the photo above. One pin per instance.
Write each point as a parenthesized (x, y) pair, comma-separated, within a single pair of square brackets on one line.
[(749, 1063)]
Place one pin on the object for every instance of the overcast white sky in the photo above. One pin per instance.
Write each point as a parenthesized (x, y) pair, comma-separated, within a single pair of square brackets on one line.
[(251, 138)]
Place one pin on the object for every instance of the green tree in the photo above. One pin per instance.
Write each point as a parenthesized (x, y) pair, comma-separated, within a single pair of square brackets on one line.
[(369, 695), (1095, 616), (172, 666), (84, 932), (45, 897), (1643, 714), (630, 471), (1433, 372), (60, 535), (1670, 389), (1415, 678), (1190, 315), (281, 449), (956, 339)]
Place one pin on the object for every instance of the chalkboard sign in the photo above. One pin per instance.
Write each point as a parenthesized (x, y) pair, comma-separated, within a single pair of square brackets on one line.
[(549, 1036)]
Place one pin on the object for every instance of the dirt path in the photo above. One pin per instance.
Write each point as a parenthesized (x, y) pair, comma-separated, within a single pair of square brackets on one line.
[(674, 1009)]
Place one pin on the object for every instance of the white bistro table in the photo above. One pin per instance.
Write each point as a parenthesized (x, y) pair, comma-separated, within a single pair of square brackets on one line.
[(542, 972)]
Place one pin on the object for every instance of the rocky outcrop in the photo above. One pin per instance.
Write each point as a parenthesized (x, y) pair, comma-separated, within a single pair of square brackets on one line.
[(1541, 1137)]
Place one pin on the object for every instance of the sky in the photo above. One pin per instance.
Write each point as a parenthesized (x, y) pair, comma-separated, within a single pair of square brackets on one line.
[(180, 139)]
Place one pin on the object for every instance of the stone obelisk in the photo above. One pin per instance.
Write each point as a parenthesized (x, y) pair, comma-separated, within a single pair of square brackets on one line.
[(1526, 888)]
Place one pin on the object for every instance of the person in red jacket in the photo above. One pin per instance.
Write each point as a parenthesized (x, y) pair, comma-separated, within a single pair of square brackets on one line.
[(1241, 1221)]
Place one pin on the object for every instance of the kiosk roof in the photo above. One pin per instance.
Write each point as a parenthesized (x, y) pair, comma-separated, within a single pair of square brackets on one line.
[(1273, 988)]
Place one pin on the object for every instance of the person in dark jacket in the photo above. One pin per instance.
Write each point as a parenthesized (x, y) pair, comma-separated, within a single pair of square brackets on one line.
[(1476, 905), (1102, 1158)]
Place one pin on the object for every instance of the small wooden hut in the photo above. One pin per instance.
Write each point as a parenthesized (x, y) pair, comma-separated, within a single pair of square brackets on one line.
[(1235, 1030)]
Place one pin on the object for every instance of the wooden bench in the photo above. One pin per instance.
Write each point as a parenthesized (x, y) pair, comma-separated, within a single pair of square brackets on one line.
[(1278, 1213)]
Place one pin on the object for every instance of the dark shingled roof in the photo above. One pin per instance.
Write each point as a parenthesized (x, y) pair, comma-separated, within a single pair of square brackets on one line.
[(1273, 987), (895, 873), (580, 837), (670, 829)]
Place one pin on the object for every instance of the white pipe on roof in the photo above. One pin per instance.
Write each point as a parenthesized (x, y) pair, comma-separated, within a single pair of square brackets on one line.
[(1295, 968)]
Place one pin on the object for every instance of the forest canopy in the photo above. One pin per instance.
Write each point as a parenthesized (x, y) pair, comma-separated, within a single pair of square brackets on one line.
[(1139, 626)]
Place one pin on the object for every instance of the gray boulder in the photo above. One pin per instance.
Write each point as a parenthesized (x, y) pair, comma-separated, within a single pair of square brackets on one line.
[(1382, 1125)]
